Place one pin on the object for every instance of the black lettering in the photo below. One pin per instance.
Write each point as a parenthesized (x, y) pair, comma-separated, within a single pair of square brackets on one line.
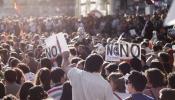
[(124, 49), (133, 47), (109, 49), (48, 52), (54, 51)]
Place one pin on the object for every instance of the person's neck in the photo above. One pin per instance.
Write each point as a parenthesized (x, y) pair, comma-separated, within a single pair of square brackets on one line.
[(136, 92)]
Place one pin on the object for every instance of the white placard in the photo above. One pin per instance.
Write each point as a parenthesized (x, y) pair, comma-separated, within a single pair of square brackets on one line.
[(55, 45)]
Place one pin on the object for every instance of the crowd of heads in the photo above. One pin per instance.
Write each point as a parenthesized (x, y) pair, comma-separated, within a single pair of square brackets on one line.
[(27, 74)]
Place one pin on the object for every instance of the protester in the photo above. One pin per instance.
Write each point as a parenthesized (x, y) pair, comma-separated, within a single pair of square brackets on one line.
[(167, 94), (136, 83)]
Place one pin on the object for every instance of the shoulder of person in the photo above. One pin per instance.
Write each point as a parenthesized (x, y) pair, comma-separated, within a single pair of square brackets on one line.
[(129, 98)]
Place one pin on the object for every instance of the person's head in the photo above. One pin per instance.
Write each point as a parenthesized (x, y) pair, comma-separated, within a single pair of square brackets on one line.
[(24, 90), (117, 82), (43, 77), (2, 90), (37, 93), (167, 94), (155, 63), (136, 64), (24, 68), (171, 80), (73, 51), (80, 64), (124, 68), (155, 78), (75, 60), (93, 63), (14, 62), (136, 82), (59, 60), (20, 76), (67, 91), (4, 55), (163, 57), (10, 97), (112, 67), (45, 62), (10, 76), (157, 48), (58, 75)]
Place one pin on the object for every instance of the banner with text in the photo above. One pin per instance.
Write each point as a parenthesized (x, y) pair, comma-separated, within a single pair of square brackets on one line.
[(122, 50)]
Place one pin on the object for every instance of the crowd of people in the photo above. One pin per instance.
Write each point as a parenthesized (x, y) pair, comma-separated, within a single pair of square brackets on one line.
[(82, 73)]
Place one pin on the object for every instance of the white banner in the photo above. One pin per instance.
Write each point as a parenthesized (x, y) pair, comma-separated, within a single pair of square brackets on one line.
[(122, 50), (55, 45), (170, 19)]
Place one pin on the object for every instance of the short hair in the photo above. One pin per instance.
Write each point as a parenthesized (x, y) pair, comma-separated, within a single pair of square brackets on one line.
[(164, 57), (136, 64), (2, 90), (118, 81), (112, 67), (167, 94), (93, 63), (155, 77), (24, 67), (138, 80), (36, 93), (171, 80), (124, 67), (10, 76), (59, 59), (57, 74), (14, 62), (155, 63), (45, 62), (157, 48), (75, 60), (10, 97), (73, 51), (24, 90)]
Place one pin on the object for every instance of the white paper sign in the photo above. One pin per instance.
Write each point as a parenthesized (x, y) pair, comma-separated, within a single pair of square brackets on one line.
[(170, 19), (54, 45), (122, 50)]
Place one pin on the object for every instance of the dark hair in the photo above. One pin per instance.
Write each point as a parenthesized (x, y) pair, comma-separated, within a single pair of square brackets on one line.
[(124, 67), (10, 97), (67, 91), (112, 67), (155, 77), (24, 90), (136, 64), (24, 67), (164, 57), (43, 76), (93, 63), (2, 90), (19, 75), (59, 60), (167, 94), (45, 62), (57, 74), (4, 55), (73, 51), (171, 80), (138, 80), (75, 60), (157, 64), (36, 93), (10, 76), (157, 48), (14, 62), (118, 81)]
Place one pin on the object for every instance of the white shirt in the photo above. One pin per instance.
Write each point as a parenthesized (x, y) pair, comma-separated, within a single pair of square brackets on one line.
[(89, 86)]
